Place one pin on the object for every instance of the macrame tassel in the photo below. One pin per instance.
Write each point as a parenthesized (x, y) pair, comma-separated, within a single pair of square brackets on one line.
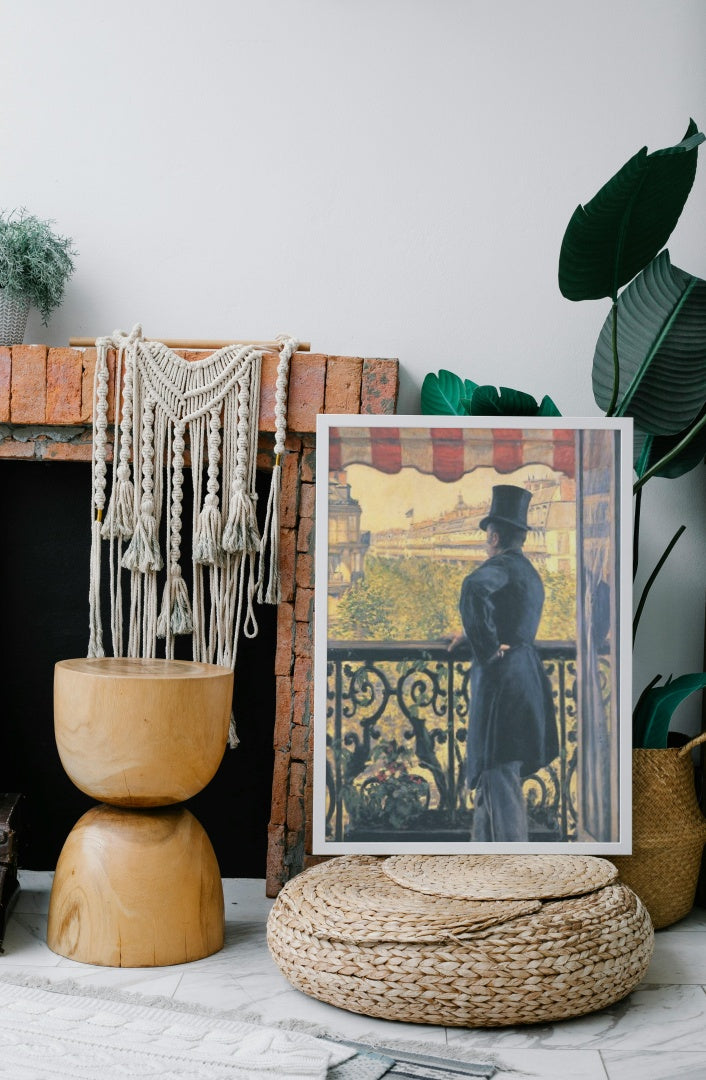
[(273, 593), (175, 614), (99, 470), (233, 739), (143, 552), (95, 640), (119, 521), (208, 548), (241, 532), (120, 518)]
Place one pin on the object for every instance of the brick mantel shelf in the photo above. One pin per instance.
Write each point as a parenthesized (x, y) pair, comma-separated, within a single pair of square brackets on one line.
[(46, 399)]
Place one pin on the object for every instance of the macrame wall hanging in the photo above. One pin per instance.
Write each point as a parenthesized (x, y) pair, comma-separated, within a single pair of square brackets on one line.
[(161, 400)]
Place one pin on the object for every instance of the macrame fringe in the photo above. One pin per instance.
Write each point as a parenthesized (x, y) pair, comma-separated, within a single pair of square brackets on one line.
[(273, 593), (208, 542), (241, 532), (120, 518), (233, 740), (175, 615), (99, 471), (95, 640), (142, 553)]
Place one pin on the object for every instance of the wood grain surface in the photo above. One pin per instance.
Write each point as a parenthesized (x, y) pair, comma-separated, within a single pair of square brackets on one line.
[(141, 732), (136, 888)]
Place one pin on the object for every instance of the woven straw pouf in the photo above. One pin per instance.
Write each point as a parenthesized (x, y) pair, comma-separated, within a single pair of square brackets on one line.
[(349, 933)]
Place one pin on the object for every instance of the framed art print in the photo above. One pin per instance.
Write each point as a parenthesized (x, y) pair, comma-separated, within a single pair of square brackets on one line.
[(472, 635)]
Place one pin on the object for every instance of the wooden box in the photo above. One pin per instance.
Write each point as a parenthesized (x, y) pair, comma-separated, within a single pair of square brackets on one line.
[(10, 829)]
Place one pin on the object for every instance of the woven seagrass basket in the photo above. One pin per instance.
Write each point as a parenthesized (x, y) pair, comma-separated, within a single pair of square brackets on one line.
[(13, 318), (347, 933), (668, 833)]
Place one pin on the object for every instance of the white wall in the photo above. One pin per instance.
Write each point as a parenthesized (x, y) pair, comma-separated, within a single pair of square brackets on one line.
[(382, 177)]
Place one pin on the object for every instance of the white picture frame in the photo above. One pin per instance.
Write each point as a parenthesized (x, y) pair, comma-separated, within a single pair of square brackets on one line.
[(399, 505)]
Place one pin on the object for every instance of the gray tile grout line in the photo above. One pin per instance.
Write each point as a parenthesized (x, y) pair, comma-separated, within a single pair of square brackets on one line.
[(603, 1065)]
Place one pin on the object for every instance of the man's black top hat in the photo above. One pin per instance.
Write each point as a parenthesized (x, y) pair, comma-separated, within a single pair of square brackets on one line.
[(509, 504)]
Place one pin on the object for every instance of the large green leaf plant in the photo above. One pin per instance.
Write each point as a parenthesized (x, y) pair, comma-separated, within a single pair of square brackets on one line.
[(446, 394), (650, 358)]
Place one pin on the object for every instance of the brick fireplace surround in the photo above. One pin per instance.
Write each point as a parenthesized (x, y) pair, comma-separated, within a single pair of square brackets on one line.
[(45, 415)]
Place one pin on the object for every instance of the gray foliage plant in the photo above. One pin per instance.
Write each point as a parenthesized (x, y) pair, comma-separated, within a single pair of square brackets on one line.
[(35, 262)]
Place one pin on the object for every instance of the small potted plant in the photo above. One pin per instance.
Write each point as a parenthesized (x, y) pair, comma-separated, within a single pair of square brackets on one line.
[(35, 264), (392, 797)]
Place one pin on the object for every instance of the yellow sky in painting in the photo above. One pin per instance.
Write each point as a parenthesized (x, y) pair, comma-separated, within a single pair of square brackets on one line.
[(386, 499)]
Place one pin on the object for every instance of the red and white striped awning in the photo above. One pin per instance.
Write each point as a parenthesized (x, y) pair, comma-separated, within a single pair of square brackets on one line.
[(450, 453)]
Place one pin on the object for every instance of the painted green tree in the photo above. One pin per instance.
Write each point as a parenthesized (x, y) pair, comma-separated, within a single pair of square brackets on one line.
[(416, 599)]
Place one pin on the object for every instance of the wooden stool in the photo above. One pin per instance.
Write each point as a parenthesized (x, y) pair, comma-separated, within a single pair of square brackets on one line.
[(137, 886)]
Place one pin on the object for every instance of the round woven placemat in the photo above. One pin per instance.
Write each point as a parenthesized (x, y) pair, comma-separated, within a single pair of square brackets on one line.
[(360, 903), (500, 877)]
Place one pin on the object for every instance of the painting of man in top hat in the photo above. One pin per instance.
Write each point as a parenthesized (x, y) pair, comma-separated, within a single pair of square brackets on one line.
[(467, 697), (512, 731)]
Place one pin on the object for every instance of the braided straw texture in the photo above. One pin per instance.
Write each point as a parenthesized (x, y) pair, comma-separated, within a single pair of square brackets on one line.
[(13, 318), (501, 877), (668, 834), (569, 958), (362, 904)]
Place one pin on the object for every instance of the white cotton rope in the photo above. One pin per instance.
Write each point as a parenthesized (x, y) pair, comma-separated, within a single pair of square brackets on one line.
[(100, 427), (273, 592), (164, 405)]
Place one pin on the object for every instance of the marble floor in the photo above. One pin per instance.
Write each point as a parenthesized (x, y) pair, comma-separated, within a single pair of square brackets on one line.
[(658, 1033)]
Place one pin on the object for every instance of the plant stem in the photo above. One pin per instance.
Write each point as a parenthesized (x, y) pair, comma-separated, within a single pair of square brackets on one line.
[(639, 736), (636, 533), (672, 454), (651, 579), (644, 458), (616, 365)]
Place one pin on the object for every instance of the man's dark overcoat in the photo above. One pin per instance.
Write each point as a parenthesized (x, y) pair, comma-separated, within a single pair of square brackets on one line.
[(512, 713)]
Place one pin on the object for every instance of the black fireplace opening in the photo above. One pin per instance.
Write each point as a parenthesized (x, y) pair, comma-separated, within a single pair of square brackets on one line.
[(44, 561)]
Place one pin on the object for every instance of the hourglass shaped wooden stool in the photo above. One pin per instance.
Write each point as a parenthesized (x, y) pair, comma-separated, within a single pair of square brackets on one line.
[(137, 883)]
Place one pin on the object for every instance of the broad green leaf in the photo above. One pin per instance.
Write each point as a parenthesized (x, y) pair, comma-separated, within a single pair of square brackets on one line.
[(468, 388), (661, 349), (489, 401), (443, 394), (648, 450), (610, 239), (653, 713), (637, 716), (547, 407)]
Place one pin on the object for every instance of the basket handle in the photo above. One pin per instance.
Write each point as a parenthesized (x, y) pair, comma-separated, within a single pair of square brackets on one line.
[(691, 745)]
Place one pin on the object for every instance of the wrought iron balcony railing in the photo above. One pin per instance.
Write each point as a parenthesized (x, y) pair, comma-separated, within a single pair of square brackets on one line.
[(397, 719)]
